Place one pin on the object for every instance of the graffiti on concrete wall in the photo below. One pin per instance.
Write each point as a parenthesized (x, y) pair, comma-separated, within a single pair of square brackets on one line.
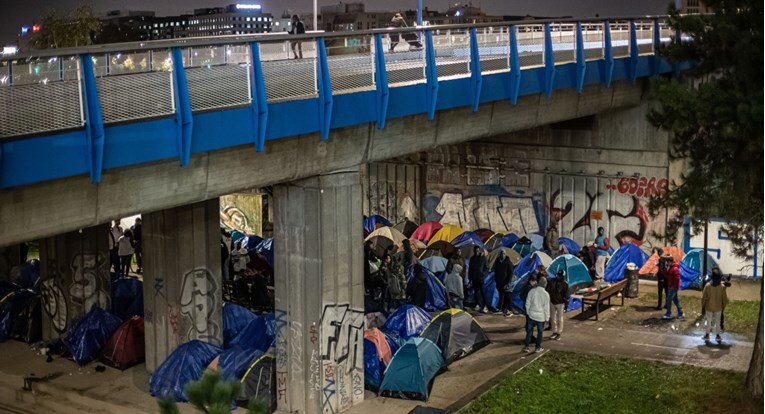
[(392, 191), (53, 299), (199, 298), (490, 207), (341, 350), (242, 212), (282, 333)]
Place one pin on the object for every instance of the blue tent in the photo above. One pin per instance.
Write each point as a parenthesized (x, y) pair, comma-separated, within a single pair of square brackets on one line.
[(468, 238), (537, 241), (435, 264), (127, 297), (435, 297), (237, 235), (371, 222), (373, 367), (233, 362), (524, 249), (91, 334), (572, 246), (253, 336), (266, 249), (406, 321), (270, 327), (13, 300), (691, 267), (251, 243), (508, 240), (517, 303), (29, 275), (626, 253), (577, 274), (490, 290), (529, 264), (411, 371), (235, 319), (185, 364)]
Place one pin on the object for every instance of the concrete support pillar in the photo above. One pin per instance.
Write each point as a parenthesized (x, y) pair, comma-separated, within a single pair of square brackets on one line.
[(182, 278), (75, 276), (319, 294)]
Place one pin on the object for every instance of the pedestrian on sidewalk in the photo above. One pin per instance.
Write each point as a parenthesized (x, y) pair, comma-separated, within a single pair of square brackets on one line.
[(503, 270), (538, 311), (557, 288), (115, 232), (713, 303), (601, 247), (454, 286), (672, 273), (552, 240), (125, 251), (661, 277), (477, 269), (138, 244)]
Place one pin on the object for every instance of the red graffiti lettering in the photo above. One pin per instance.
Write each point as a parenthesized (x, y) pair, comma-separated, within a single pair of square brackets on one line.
[(314, 334), (329, 371), (643, 187)]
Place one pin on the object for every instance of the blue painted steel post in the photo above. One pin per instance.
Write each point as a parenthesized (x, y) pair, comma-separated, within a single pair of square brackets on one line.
[(259, 99), (183, 115), (431, 74), (633, 51), (419, 12), (381, 82), (94, 121), (608, 54), (476, 78), (549, 55), (515, 66), (656, 46), (581, 63), (325, 88)]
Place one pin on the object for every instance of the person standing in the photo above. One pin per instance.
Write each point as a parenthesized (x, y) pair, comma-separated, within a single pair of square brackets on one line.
[(454, 287), (477, 268), (137, 244), (125, 251), (661, 278), (115, 232), (396, 22), (672, 273), (552, 240), (557, 288), (713, 303), (298, 28), (503, 269), (417, 288), (538, 311), (601, 248)]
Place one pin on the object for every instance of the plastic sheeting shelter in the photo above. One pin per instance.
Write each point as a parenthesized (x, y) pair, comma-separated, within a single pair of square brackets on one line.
[(490, 292), (435, 295), (468, 238), (373, 222), (90, 335), (126, 347), (626, 253), (411, 371), (254, 336), (531, 262), (250, 242), (407, 321), (234, 362), (456, 334), (373, 366), (447, 233), (691, 267), (235, 319), (516, 301), (185, 364), (572, 246), (426, 230), (266, 249), (127, 298), (577, 274), (259, 382), (20, 314), (380, 341)]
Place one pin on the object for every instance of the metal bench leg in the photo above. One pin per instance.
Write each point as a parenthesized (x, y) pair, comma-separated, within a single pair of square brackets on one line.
[(597, 311)]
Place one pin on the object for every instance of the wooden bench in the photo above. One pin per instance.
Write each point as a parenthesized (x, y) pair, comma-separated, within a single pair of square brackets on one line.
[(603, 295)]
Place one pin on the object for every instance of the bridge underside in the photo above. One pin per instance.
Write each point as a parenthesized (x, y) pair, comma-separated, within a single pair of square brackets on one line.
[(58, 206)]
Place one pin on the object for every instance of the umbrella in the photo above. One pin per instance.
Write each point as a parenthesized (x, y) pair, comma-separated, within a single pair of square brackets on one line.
[(484, 234), (447, 233), (426, 230), (435, 263), (388, 232), (512, 254), (536, 240), (406, 227)]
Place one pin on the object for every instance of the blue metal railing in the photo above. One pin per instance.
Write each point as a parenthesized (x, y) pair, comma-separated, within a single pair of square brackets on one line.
[(192, 95)]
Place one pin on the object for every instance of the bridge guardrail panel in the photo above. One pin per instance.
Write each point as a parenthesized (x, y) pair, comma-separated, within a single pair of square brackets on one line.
[(351, 63), (494, 49), (594, 41), (563, 37), (287, 78), (218, 77), (531, 38), (644, 31), (452, 53), (620, 39), (405, 64)]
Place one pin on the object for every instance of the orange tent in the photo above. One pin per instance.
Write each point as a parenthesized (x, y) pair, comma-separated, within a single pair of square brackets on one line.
[(378, 338), (651, 266)]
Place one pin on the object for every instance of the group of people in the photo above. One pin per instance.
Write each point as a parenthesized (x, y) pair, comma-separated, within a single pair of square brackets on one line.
[(123, 244)]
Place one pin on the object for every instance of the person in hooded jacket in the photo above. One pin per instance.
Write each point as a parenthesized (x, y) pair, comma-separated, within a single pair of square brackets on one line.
[(503, 270), (417, 288), (454, 286), (713, 303), (557, 288)]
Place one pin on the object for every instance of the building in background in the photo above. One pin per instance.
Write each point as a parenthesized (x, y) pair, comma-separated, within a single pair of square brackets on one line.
[(691, 7), (344, 17), (233, 19), (125, 26)]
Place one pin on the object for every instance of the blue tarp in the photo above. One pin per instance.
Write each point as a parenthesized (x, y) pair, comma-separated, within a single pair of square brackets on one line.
[(468, 238), (412, 369), (266, 249), (91, 334), (237, 235), (234, 362), (185, 364), (235, 319), (29, 275), (12, 302), (517, 303), (508, 240), (251, 243), (691, 266), (373, 367), (490, 292), (127, 298), (270, 327), (626, 253), (572, 246), (577, 274), (435, 297), (253, 336), (527, 264), (372, 221), (406, 321)]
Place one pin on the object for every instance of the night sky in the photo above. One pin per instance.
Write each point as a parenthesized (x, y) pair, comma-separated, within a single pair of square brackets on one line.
[(16, 13)]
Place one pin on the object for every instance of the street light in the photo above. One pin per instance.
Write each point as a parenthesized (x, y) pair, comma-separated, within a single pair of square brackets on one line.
[(419, 12), (315, 15)]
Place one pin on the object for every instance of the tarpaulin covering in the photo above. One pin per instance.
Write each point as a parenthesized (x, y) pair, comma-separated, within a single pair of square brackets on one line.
[(266, 249), (517, 303), (412, 369), (270, 326), (407, 321), (235, 319), (377, 337), (531, 262), (254, 335), (91, 334), (127, 298), (691, 267), (490, 292), (371, 222), (234, 362), (185, 364), (577, 275), (626, 253), (373, 367), (251, 243), (13, 303), (126, 347), (435, 296), (456, 334)]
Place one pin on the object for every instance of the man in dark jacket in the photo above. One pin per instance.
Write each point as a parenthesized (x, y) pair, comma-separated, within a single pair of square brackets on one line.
[(661, 279), (477, 269), (417, 288), (559, 297), (503, 269)]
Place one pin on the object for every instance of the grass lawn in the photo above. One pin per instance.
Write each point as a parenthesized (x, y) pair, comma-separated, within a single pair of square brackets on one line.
[(562, 382)]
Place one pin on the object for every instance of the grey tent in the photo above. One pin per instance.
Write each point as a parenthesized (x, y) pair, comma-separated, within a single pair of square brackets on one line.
[(456, 334), (260, 382)]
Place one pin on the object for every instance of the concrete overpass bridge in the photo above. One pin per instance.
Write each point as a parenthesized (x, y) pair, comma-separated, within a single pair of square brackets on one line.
[(165, 128)]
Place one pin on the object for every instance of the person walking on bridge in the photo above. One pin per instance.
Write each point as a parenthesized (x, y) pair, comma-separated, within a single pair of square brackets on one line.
[(298, 28), (396, 22)]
